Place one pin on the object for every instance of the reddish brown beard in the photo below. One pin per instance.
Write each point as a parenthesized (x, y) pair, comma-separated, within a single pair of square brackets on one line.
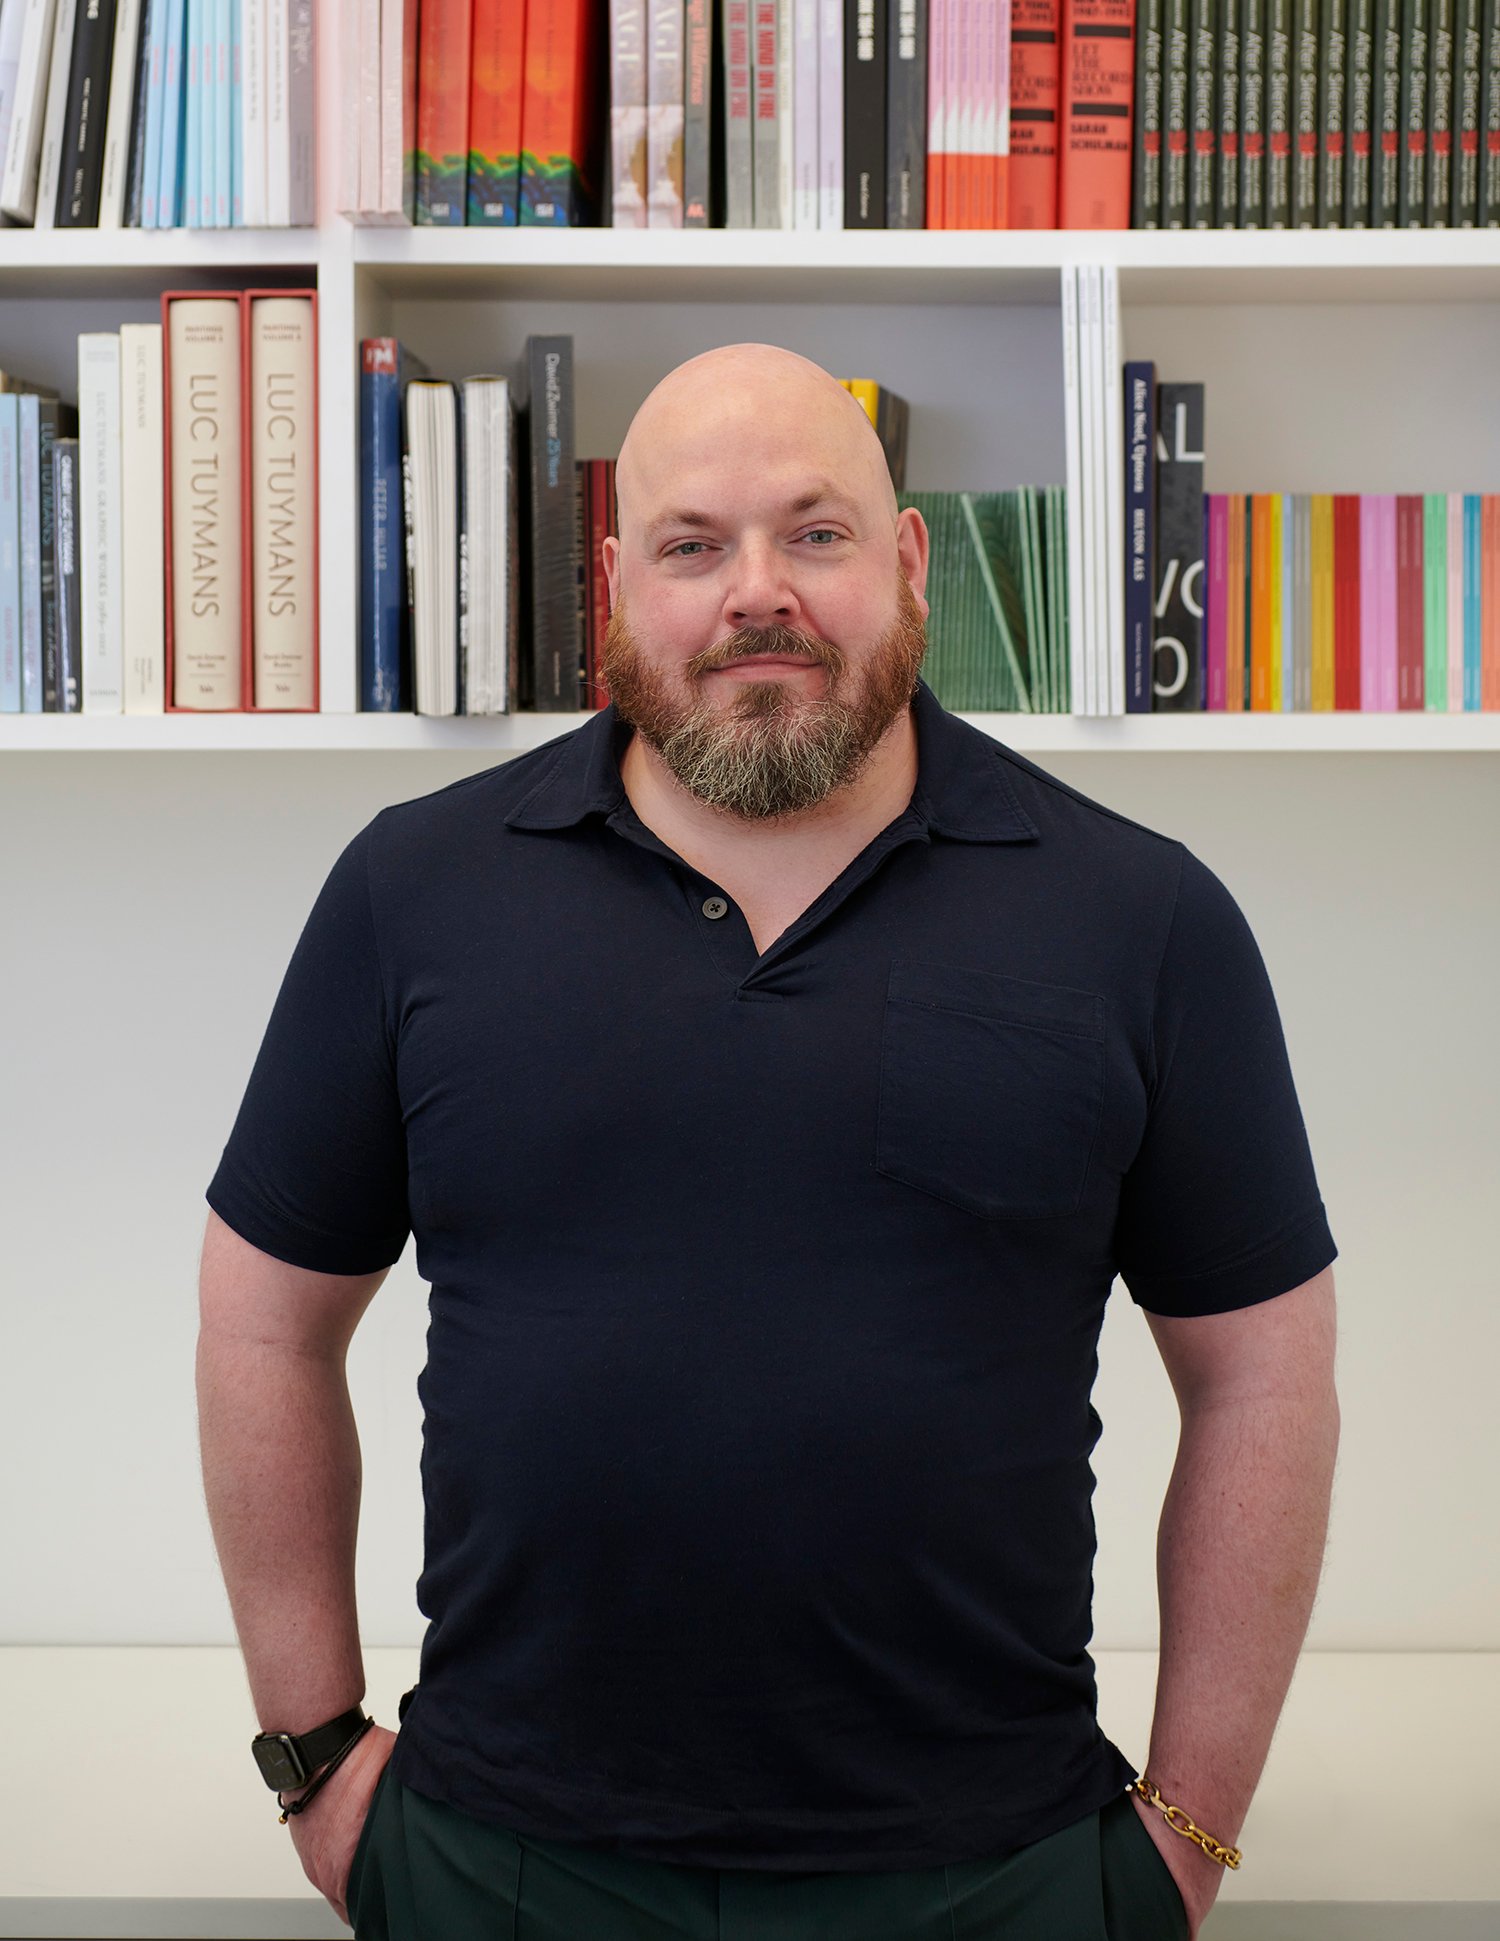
[(769, 751)]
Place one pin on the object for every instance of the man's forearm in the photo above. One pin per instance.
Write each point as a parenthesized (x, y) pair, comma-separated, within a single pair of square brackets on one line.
[(281, 1473), (1239, 1553)]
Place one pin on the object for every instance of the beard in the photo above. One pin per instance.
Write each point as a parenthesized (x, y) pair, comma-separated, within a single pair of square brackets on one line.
[(770, 750)]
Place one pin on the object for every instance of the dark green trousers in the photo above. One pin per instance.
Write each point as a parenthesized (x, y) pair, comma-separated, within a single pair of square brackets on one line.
[(424, 1872)]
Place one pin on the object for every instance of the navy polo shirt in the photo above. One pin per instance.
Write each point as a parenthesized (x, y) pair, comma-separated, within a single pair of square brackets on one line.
[(766, 1288)]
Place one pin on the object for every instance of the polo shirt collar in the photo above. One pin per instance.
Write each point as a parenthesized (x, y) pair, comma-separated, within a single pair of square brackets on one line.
[(963, 790)]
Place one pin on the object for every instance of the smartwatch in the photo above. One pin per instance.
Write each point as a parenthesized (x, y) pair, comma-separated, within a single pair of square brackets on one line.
[(287, 1762)]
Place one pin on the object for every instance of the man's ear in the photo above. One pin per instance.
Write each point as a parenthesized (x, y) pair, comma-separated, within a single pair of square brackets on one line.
[(912, 548), (610, 553)]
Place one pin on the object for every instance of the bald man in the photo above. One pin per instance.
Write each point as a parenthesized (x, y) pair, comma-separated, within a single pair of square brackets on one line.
[(775, 1073)]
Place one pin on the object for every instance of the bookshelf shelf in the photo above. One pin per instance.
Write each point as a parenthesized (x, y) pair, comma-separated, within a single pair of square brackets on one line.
[(1242, 734)]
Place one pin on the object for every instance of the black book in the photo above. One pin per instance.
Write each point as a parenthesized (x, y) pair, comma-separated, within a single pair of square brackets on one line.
[(1176, 114), (1177, 647), (1385, 187), (1145, 173), (1440, 114), (546, 407), (82, 170), (1304, 112), (1202, 112), (1280, 119), (1359, 112), (1489, 118), (1333, 103), (69, 590), (1412, 176), (1253, 115), (864, 114), (701, 63), (1227, 183), (906, 115), (55, 420), (1463, 211), (136, 167)]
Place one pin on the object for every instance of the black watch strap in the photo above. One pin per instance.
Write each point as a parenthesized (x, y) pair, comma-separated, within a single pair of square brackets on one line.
[(287, 1761)]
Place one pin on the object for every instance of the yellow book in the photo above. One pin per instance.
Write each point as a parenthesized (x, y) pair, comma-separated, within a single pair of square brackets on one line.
[(1322, 601)]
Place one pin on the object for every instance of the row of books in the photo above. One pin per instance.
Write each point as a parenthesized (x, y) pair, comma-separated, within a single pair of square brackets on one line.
[(1317, 114), (158, 543), (157, 114)]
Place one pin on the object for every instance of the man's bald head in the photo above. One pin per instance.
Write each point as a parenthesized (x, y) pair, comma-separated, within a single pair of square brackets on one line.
[(739, 406)]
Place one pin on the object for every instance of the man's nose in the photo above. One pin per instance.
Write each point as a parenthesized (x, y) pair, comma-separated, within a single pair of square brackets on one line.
[(761, 592)]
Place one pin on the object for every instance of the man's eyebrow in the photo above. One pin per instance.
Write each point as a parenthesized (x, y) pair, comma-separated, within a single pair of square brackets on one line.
[(825, 493)]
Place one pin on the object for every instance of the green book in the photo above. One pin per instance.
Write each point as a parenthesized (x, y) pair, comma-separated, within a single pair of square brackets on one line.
[(994, 532), (1435, 600)]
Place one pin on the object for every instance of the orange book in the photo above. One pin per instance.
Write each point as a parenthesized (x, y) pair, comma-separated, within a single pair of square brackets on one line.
[(1261, 592), (560, 128), (1098, 82), (442, 111), (1034, 57), (497, 64)]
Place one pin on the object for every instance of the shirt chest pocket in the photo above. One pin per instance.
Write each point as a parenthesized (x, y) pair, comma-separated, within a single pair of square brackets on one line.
[(991, 1089)]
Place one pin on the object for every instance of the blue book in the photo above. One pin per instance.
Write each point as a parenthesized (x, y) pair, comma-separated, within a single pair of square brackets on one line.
[(10, 556), (145, 190), (223, 107), (29, 497), (1140, 532), (193, 92), (236, 116), (1472, 585), (385, 685), (169, 180)]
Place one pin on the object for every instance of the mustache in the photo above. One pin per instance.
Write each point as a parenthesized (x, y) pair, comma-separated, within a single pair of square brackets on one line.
[(752, 643)]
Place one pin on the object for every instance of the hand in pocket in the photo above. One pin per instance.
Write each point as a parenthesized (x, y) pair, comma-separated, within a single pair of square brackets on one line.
[(327, 1834)]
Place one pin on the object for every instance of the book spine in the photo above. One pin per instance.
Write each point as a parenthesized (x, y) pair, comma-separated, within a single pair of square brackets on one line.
[(10, 554), (1439, 205), (1216, 606), (1359, 113), (1146, 177), (831, 117), (69, 590), (192, 116), (1278, 113), (1489, 122), (83, 132), (443, 110), (554, 563), (1463, 210), (1304, 112), (382, 579), (1140, 532), (135, 156), (26, 102), (699, 113), (906, 113), (279, 113), (1227, 172), (1178, 642), (283, 503), (142, 539), (1035, 84), (204, 438), (99, 510), (1202, 111), (1409, 627), (664, 105), (1412, 175), (802, 118), (464, 513), (1434, 601), (1097, 76), (558, 186), (497, 66), (864, 115), (29, 508), (1333, 99), (739, 175), (785, 129), (1253, 115), (1175, 114), (301, 122), (223, 169), (937, 113), (49, 168), (54, 421), (169, 174)]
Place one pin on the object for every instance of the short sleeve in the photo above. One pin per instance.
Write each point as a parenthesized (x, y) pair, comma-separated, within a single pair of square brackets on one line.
[(1220, 1208), (314, 1172)]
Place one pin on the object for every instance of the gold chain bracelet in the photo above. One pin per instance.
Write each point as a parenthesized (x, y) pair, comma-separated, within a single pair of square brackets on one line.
[(1179, 1822)]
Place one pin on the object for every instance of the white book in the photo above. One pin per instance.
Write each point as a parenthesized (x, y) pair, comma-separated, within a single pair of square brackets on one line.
[(49, 168), (122, 70), (1113, 697), (786, 68), (1073, 446), (29, 502), (431, 467), (806, 108), (12, 22), (1088, 407), (278, 132), (219, 184), (99, 520), (21, 151), (283, 503), (206, 581), (253, 110), (347, 193), (398, 109), (142, 521), (302, 115), (369, 102), (10, 554), (830, 114), (627, 113), (664, 112), (486, 443)]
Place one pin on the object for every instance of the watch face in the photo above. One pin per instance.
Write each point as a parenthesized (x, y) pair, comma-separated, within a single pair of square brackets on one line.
[(279, 1760)]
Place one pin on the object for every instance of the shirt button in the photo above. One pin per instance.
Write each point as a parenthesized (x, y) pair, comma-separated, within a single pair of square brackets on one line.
[(715, 906)]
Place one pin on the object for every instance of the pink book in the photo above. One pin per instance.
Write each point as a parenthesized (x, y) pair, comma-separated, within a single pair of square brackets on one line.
[(1390, 594), (1410, 632), (1455, 602), (1369, 602), (1000, 120), (1216, 618), (937, 117)]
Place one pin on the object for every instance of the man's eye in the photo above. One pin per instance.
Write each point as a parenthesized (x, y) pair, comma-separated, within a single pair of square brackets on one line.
[(816, 530), (680, 544)]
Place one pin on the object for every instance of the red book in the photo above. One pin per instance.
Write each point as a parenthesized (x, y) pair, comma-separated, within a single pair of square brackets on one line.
[(497, 63), (1098, 80), (443, 111), (1410, 618), (1034, 67), (561, 129), (1346, 610)]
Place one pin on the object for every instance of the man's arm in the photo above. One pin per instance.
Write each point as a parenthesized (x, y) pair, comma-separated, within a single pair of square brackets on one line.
[(1239, 1549), (281, 1471)]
